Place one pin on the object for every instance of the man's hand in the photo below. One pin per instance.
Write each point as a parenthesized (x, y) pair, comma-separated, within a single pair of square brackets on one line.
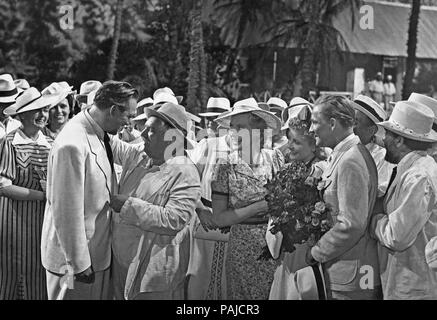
[(206, 219), (88, 276), (117, 202)]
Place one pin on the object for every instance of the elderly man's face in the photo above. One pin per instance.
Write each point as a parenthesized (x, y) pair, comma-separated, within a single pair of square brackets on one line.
[(153, 136)]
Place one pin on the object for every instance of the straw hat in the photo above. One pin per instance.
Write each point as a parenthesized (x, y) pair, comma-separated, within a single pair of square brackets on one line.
[(277, 103), (295, 102), (249, 106), (370, 108), (302, 112), (215, 107), (8, 89), (427, 101), (59, 90), (88, 91), (412, 120), (22, 85), (164, 95), (31, 99)]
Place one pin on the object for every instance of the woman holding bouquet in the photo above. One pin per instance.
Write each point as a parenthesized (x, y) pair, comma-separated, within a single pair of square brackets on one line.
[(238, 199), (23, 162), (301, 148)]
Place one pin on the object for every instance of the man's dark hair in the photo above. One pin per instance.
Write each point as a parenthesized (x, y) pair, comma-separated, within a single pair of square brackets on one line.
[(114, 93), (338, 107)]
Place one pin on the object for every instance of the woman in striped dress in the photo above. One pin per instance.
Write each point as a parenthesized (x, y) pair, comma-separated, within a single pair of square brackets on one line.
[(23, 162)]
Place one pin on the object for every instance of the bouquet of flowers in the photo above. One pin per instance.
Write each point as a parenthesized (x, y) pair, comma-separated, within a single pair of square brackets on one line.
[(296, 207)]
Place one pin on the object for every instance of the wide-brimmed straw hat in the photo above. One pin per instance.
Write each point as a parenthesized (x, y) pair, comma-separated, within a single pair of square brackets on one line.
[(249, 106), (8, 89), (411, 120), (427, 101), (215, 107), (31, 99), (164, 95), (295, 102), (88, 91), (59, 90)]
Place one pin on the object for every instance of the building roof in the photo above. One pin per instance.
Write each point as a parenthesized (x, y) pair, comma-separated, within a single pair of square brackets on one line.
[(390, 34), (388, 38)]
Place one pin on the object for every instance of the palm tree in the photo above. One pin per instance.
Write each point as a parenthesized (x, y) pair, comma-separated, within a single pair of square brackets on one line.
[(411, 49), (197, 87), (115, 40)]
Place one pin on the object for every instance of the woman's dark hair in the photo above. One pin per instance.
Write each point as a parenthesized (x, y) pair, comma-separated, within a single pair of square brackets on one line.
[(114, 93)]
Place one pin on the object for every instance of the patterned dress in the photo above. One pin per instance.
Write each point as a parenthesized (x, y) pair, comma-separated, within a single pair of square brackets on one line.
[(248, 278), (22, 162)]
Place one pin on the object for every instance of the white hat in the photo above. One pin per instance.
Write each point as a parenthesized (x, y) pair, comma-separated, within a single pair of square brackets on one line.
[(216, 106), (249, 106), (8, 89), (427, 101), (144, 102), (295, 102), (301, 112), (22, 85), (370, 108), (60, 90), (277, 102), (31, 99), (411, 120), (169, 91), (164, 95), (88, 90)]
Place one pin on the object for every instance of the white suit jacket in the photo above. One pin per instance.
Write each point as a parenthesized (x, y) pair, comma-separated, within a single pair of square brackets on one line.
[(76, 229)]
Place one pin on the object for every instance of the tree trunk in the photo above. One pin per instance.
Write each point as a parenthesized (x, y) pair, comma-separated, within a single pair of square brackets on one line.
[(115, 41), (412, 48), (197, 88)]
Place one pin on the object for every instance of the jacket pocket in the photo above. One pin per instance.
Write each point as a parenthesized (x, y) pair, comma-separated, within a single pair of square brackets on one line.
[(343, 272)]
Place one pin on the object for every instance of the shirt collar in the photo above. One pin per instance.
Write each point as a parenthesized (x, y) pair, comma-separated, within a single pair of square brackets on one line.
[(21, 138), (99, 131), (343, 143), (409, 159)]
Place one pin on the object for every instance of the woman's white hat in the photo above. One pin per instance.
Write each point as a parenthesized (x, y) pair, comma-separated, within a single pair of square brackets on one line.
[(31, 99), (295, 102), (215, 107), (277, 103), (22, 85), (249, 106), (302, 112), (411, 120), (59, 90)]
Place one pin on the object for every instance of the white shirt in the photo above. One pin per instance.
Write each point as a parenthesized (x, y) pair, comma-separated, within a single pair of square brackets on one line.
[(384, 168)]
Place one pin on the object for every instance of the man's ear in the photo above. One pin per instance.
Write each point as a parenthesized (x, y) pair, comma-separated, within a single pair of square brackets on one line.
[(333, 123), (399, 141), (113, 112)]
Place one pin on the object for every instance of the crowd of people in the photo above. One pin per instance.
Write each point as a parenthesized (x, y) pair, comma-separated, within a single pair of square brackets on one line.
[(105, 195)]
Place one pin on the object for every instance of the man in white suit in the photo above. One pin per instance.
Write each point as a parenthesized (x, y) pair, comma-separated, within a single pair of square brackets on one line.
[(81, 179)]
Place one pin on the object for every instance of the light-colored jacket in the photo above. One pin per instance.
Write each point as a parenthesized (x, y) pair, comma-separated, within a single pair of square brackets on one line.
[(76, 229), (151, 232), (351, 186), (410, 224)]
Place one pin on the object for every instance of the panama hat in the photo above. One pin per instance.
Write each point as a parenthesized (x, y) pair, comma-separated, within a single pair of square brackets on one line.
[(164, 95), (370, 108), (145, 102), (412, 120), (249, 106), (31, 99), (59, 90), (88, 91), (427, 101), (171, 113), (21, 84), (215, 107), (295, 102), (277, 103), (8, 89)]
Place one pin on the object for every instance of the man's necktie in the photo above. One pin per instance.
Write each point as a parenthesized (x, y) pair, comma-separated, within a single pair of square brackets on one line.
[(108, 150), (392, 179)]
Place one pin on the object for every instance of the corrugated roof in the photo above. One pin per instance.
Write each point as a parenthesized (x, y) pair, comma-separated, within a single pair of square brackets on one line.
[(390, 35), (388, 38)]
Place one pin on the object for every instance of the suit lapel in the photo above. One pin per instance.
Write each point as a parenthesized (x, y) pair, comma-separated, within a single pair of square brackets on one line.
[(337, 157)]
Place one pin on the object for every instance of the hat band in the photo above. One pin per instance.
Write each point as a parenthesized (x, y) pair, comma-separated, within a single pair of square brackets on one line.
[(30, 102), (216, 110), (369, 109), (9, 93)]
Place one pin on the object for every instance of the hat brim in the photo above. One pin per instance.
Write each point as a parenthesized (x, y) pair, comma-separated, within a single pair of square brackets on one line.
[(58, 98), (209, 114), (10, 99), (42, 102), (153, 113), (375, 120), (140, 117), (389, 126), (272, 121)]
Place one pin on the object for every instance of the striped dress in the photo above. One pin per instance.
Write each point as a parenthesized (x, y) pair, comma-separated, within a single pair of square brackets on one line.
[(22, 275)]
